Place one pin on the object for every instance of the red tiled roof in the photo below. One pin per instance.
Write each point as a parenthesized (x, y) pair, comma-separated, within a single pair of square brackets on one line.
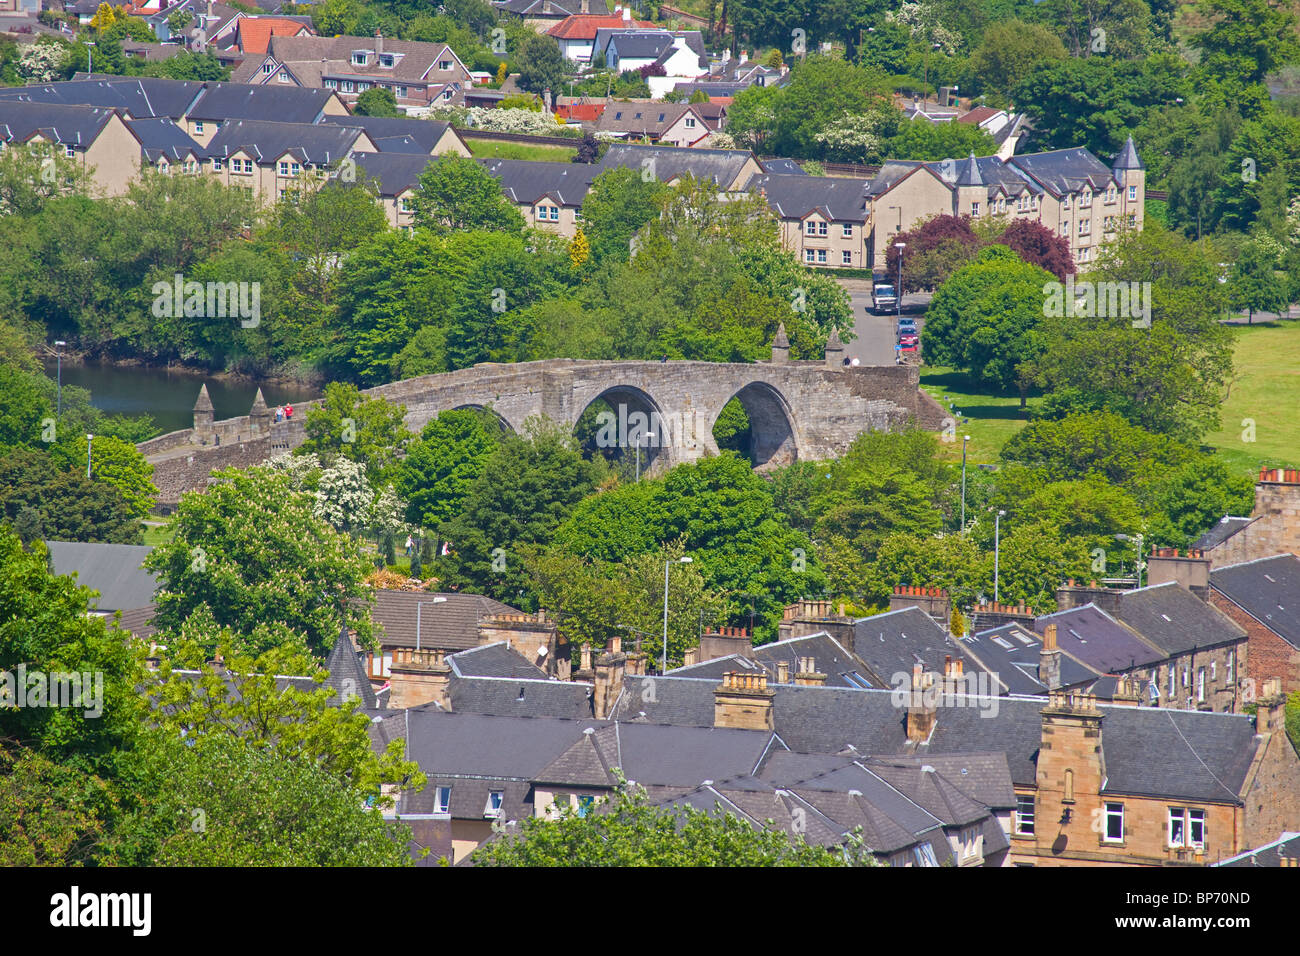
[(255, 32), (978, 115), (583, 112), (583, 26)]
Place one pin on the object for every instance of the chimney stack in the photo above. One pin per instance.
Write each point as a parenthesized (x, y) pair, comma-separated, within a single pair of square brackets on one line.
[(1049, 660), (808, 675), (744, 700), (419, 677), (1270, 708), (921, 713), (783, 672)]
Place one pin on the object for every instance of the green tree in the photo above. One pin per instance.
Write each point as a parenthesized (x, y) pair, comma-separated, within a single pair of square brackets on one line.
[(377, 101), (251, 551), (620, 202), (115, 463), (442, 465), (456, 193), (930, 141), (62, 505), (1245, 40), (1256, 284), (370, 431), (540, 64), (630, 831), (1011, 51)]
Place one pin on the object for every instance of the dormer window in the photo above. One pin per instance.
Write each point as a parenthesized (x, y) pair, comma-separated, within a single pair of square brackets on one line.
[(1086, 199), (360, 58), (69, 151), (198, 127), (284, 76), (386, 60), (444, 65), (268, 68), (446, 94)]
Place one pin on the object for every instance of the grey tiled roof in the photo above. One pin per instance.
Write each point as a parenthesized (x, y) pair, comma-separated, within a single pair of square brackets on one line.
[(720, 166), (348, 677), (280, 104), (1016, 666), (114, 570), (1089, 634), (1268, 589), (841, 667), (394, 172), (450, 625), (139, 96), (75, 125), (794, 196), (520, 697), (315, 143), (494, 660), (1270, 854), (1222, 530), (1062, 171), (161, 136), (423, 133), (1176, 620), (891, 643), (525, 182), (683, 756)]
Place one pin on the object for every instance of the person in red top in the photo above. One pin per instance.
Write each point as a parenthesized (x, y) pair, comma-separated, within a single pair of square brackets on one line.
[(288, 411)]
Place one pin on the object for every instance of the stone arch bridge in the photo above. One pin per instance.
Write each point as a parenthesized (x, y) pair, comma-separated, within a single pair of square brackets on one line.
[(797, 410)]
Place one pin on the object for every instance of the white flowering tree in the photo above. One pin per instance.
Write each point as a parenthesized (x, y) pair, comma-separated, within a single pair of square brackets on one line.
[(923, 20), (43, 60), (853, 137)]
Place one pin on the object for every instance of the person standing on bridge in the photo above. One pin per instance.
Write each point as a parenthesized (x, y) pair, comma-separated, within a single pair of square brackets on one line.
[(279, 413), (288, 411)]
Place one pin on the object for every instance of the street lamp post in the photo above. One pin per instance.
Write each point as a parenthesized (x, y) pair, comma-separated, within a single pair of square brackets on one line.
[(1137, 542), (997, 542), (90, 56), (89, 438), (685, 559), (59, 346), (900, 246), (965, 443), (419, 605)]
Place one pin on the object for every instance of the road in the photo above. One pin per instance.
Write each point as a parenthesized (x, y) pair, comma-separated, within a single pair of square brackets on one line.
[(876, 337)]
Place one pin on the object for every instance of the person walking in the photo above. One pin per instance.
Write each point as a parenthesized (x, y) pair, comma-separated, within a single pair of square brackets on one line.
[(288, 411)]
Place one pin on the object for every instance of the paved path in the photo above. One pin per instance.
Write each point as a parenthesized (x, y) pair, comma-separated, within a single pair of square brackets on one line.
[(876, 336)]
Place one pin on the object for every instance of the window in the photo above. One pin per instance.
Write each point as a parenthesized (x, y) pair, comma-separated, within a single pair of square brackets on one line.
[(846, 258), (1085, 227), (1114, 832), (348, 86), (1110, 195), (442, 800), (1065, 227), (1002, 204), (1186, 828), (399, 92), (362, 87), (1132, 219), (1132, 193), (444, 65), (925, 855), (1085, 255), (1024, 819), (1200, 685), (359, 59), (1214, 670), (216, 164), (690, 122), (1173, 683), (446, 95), (823, 228), (331, 84), (405, 204), (268, 68), (974, 209), (1065, 202), (821, 255), (386, 59), (493, 808), (846, 230), (1085, 200), (1230, 667), (163, 167), (198, 127), (807, 255), (585, 803), (1187, 677), (284, 76), (810, 228)]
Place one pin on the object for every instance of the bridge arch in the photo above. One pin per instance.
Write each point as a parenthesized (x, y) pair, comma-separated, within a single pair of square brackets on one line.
[(490, 412), (621, 419), (771, 441)]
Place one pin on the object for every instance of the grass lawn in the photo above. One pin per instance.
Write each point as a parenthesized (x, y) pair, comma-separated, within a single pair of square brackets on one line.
[(989, 419), (495, 149), (157, 531), (1267, 391)]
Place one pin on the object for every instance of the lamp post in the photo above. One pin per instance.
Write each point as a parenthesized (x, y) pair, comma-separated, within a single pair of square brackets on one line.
[(89, 438), (59, 345), (900, 246), (997, 542), (685, 559), (419, 605), (90, 56), (925, 85), (1138, 565), (965, 443)]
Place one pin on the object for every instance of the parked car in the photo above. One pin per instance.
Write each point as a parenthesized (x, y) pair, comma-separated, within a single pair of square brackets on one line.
[(907, 325), (909, 339)]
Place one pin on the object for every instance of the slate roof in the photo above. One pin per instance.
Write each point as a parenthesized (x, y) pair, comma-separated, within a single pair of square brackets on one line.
[(891, 643), (239, 101), (451, 625), (1224, 529), (520, 697), (652, 118), (312, 57), (841, 666), (559, 8), (720, 166), (1011, 653), (139, 96), (76, 125), (161, 136), (781, 167), (1128, 157), (1176, 620), (393, 172), (1268, 589), (315, 143), (1172, 753), (798, 196), (1089, 634), (683, 756), (1270, 854), (114, 570), (525, 182), (425, 134), (1062, 171), (481, 745), (139, 621), (494, 660), (347, 676)]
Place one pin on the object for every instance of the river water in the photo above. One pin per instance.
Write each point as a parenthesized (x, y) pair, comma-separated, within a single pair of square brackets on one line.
[(169, 394)]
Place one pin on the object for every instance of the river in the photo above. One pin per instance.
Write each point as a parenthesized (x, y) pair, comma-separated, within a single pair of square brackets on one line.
[(169, 394)]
